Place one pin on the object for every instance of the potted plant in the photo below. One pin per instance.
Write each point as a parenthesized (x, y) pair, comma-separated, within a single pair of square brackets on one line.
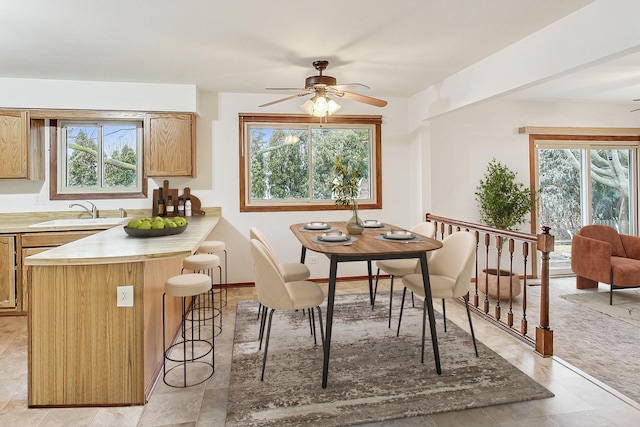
[(503, 204), (345, 189)]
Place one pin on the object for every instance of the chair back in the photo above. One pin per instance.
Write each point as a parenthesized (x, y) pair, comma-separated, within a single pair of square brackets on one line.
[(254, 233), (270, 286), (455, 260), (427, 229)]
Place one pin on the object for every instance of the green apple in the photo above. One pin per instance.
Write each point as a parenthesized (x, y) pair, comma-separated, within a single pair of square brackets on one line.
[(144, 225), (157, 224), (134, 223)]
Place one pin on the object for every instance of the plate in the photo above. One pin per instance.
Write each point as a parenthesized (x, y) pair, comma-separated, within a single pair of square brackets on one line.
[(372, 223), (317, 226), (399, 235), (334, 237), (154, 232)]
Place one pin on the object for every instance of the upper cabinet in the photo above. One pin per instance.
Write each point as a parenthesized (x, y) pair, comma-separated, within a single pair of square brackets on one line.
[(21, 145), (169, 144)]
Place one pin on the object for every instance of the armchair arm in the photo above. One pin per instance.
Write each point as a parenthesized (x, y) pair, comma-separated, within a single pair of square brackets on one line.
[(631, 245), (591, 258)]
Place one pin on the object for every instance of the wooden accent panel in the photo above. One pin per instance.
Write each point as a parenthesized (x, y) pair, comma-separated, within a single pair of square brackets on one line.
[(83, 350), (53, 238), (8, 271), (36, 151), (169, 144), (14, 146)]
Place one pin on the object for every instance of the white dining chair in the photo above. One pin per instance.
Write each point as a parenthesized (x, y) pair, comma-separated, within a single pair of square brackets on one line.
[(402, 267), (291, 271), (276, 294), (450, 270)]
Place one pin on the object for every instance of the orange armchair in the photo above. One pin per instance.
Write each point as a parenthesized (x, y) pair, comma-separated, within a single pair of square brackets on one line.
[(600, 254)]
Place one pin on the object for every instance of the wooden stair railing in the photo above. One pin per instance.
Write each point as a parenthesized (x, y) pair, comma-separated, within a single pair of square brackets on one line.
[(480, 302)]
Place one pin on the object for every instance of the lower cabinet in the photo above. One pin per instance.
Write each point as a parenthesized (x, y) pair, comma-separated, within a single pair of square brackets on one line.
[(8, 273), (14, 248)]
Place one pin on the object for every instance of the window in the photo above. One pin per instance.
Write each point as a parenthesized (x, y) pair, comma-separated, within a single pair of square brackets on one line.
[(97, 159), (287, 161), (585, 180)]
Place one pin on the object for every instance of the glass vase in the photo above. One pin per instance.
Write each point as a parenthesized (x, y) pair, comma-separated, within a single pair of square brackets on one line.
[(355, 225)]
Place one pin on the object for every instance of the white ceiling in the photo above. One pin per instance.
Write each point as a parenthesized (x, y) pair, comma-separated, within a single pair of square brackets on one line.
[(398, 47)]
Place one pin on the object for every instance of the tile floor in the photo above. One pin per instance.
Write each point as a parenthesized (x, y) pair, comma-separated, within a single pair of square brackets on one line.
[(579, 401)]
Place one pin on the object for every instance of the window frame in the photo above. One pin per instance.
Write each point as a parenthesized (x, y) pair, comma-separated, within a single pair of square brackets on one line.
[(56, 155), (244, 119)]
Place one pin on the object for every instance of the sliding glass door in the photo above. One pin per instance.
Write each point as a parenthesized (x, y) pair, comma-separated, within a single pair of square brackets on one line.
[(585, 182)]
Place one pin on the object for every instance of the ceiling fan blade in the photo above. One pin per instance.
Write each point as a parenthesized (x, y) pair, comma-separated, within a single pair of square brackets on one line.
[(349, 87), (637, 109), (361, 98), (285, 88), (284, 99)]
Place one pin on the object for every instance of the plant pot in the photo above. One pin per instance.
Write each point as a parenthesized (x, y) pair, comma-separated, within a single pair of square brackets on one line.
[(489, 279)]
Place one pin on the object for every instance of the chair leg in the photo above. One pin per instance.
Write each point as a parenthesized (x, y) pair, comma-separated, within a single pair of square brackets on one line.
[(404, 292), (266, 344), (375, 289), (473, 336), (444, 315), (262, 324), (611, 294), (312, 316), (390, 301), (259, 311), (321, 328)]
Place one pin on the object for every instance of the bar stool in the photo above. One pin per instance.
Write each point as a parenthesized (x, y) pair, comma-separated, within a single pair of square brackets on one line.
[(206, 310), (194, 349), (213, 247)]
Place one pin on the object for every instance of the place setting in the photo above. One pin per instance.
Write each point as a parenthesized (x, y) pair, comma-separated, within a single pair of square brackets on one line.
[(315, 226), (375, 224), (333, 237), (401, 236)]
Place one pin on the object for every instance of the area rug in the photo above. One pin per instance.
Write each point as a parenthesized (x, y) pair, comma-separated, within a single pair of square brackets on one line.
[(373, 375), (626, 303)]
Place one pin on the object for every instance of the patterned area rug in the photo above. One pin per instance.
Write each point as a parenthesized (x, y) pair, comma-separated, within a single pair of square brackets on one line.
[(373, 375), (626, 303)]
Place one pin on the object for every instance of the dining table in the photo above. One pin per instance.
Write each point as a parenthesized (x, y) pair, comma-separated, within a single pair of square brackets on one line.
[(375, 243)]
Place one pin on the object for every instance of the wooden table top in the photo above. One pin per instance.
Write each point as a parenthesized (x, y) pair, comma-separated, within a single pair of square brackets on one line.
[(366, 243)]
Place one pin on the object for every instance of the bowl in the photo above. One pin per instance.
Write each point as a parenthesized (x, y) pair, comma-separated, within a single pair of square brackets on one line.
[(154, 232), (334, 236), (372, 223), (399, 235), (316, 226)]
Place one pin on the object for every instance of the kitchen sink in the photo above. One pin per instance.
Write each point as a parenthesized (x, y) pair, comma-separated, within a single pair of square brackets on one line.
[(74, 222)]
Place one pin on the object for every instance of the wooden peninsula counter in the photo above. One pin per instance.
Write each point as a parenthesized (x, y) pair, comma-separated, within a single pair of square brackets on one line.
[(83, 349)]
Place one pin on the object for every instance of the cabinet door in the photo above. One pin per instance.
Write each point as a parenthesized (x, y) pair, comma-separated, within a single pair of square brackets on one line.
[(14, 144), (8, 272), (169, 145)]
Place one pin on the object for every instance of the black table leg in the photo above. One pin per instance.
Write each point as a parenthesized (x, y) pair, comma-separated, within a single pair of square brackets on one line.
[(327, 336), (370, 283), (303, 255), (429, 302)]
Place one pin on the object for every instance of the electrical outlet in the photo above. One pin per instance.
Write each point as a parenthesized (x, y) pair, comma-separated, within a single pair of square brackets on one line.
[(312, 259), (125, 296)]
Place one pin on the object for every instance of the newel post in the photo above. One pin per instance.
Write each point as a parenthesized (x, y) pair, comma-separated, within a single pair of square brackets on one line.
[(544, 334)]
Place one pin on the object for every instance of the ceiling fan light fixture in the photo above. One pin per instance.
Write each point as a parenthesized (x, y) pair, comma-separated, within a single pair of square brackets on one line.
[(320, 106)]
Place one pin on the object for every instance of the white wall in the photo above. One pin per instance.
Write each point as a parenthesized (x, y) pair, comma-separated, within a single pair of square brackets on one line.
[(464, 141)]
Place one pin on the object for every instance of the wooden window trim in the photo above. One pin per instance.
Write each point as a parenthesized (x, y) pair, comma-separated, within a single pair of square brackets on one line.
[(306, 119)]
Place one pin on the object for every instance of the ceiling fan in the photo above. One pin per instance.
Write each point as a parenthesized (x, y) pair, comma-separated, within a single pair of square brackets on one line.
[(323, 88), (637, 109)]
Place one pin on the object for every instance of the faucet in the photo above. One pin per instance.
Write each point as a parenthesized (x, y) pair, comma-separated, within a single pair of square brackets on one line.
[(123, 213), (93, 211)]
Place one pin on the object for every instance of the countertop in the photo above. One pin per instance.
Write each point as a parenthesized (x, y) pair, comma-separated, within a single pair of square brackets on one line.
[(115, 246)]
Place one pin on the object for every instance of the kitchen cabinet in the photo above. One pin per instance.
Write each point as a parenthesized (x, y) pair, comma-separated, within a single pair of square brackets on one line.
[(21, 145), (8, 272), (169, 144), (33, 243)]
